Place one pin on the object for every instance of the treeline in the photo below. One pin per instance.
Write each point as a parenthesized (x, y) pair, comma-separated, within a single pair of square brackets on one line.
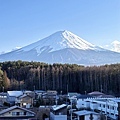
[(21, 75)]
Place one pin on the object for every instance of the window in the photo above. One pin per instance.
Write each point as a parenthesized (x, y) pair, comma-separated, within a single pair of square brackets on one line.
[(21, 113), (13, 113)]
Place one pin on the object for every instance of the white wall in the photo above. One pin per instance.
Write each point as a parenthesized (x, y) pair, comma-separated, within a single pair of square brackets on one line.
[(80, 103), (93, 105), (101, 105), (57, 117)]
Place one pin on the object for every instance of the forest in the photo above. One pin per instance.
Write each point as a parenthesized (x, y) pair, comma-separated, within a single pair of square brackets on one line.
[(23, 75)]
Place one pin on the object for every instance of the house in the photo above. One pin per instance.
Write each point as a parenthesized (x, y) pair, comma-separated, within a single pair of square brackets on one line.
[(30, 93), (50, 97), (58, 112), (108, 107), (86, 115), (24, 101), (38, 93), (16, 112), (12, 95)]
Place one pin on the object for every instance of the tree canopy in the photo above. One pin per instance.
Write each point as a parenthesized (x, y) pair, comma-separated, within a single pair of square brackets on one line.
[(61, 77)]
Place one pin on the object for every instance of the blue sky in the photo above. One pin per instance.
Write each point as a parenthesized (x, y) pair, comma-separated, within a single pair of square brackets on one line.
[(25, 21)]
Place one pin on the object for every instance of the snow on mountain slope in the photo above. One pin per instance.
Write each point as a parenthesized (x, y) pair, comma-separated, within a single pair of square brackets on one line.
[(60, 40), (63, 47)]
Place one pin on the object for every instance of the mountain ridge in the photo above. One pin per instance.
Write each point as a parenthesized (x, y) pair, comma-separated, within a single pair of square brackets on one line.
[(63, 47)]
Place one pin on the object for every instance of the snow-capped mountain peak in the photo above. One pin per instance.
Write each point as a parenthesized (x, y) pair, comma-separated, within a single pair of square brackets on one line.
[(114, 46), (60, 40), (73, 41)]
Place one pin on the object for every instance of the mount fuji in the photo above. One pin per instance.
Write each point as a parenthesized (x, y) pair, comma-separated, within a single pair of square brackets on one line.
[(63, 47)]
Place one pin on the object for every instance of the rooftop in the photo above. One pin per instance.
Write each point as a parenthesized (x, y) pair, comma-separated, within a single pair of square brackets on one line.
[(57, 107), (24, 95), (15, 93), (96, 93), (14, 107), (84, 112)]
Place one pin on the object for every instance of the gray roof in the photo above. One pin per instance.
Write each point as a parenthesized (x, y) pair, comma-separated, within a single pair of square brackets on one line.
[(57, 107), (84, 112), (14, 107), (24, 95), (39, 91), (96, 93), (15, 93)]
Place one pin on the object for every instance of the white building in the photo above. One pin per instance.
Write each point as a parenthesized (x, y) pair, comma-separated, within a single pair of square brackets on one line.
[(86, 115), (108, 106)]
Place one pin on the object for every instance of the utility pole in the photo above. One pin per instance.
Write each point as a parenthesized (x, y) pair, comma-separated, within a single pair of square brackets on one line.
[(3, 89), (106, 109), (67, 94), (34, 88), (71, 109), (101, 88), (34, 91), (56, 100)]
